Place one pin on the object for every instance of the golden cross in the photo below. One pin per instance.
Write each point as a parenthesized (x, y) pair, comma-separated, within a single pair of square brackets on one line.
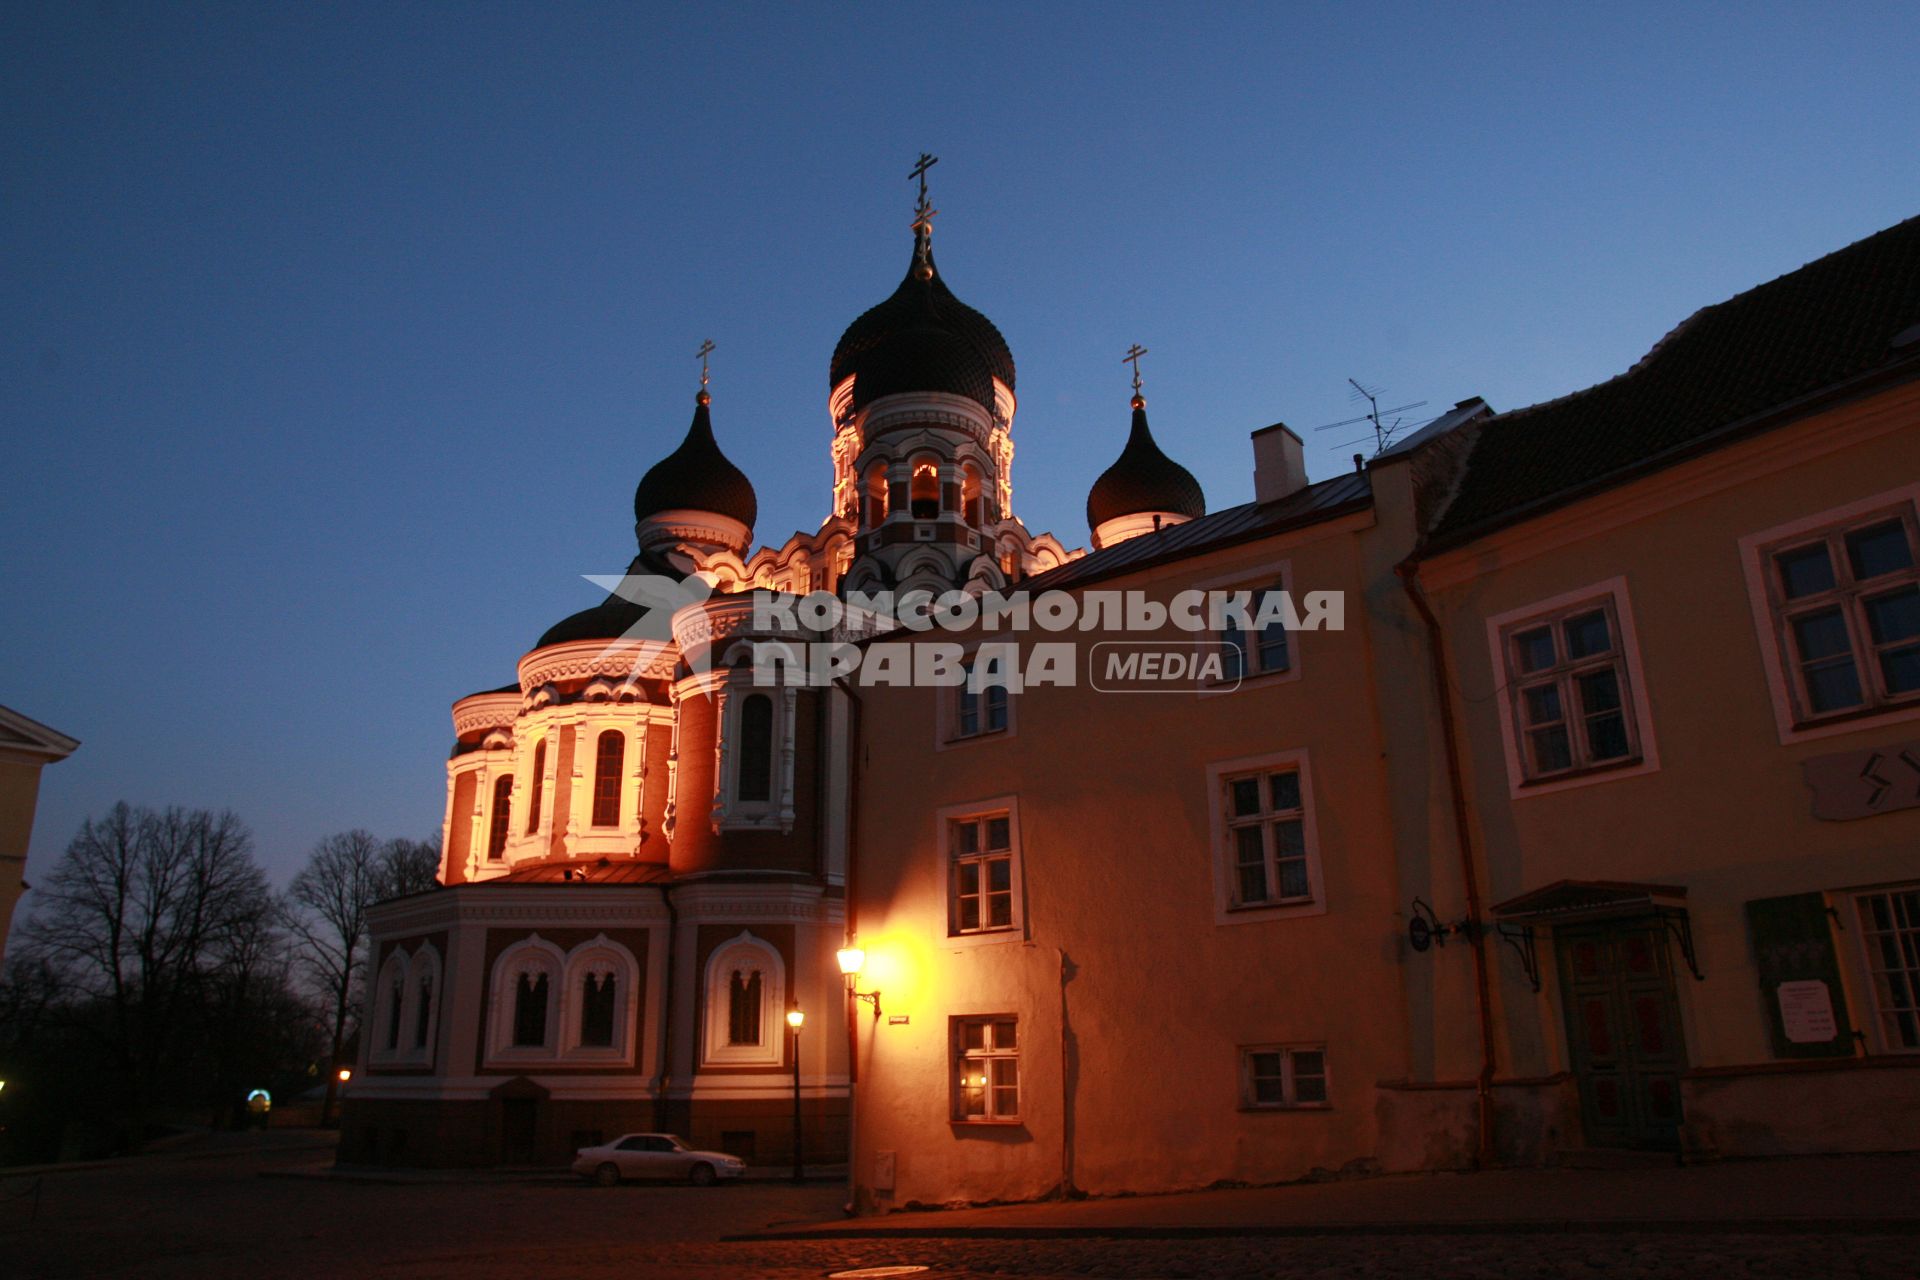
[(706, 349), (920, 168), (1132, 357)]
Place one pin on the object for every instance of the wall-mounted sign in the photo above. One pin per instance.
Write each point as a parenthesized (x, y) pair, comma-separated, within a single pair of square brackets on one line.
[(1806, 1012), (897, 1019), (1859, 784)]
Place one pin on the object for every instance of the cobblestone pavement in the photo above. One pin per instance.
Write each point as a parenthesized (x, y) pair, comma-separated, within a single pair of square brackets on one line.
[(217, 1217)]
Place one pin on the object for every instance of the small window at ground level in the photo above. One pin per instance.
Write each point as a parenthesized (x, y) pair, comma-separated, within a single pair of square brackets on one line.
[(1283, 1076)]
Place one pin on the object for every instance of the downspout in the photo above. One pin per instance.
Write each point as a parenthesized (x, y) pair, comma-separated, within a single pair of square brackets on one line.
[(665, 1075), (1409, 573), (853, 864)]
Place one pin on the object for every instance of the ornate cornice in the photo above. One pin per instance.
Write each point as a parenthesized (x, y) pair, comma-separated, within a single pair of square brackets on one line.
[(584, 659), (481, 711)]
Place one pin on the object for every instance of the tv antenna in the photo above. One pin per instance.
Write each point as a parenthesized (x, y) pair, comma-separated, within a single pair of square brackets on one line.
[(1384, 422)]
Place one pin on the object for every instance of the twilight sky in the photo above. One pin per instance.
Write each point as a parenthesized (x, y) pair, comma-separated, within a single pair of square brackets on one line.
[(337, 338)]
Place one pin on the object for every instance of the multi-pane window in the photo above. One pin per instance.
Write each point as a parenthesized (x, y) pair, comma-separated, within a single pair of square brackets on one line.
[(986, 1060), (1567, 676), (981, 851), (1267, 841), (539, 782), (502, 815), (1282, 1076), (1890, 933), (755, 779), (978, 712), (610, 754), (1846, 611), (1261, 651)]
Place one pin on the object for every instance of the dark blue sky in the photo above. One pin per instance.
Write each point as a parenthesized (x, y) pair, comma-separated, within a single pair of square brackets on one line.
[(336, 339)]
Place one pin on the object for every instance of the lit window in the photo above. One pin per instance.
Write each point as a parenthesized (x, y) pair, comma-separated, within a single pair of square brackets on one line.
[(1890, 936), (986, 1069), (539, 781), (1845, 603), (1283, 1076), (1267, 840), (1262, 651), (610, 755), (1567, 684), (502, 814), (981, 884), (924, 494)]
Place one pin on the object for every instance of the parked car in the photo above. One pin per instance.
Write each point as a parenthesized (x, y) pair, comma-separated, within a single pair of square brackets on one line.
[(654, 1155)]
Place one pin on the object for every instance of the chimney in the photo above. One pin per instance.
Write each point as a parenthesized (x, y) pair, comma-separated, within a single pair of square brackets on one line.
[(1279, 463)]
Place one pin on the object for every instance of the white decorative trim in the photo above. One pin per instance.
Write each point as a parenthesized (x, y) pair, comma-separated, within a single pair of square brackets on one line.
[(480, 711), (1753, 568), (687, 525), (1614, 590), (582, 659), (744, 949), (1220, 853), (596, 955)]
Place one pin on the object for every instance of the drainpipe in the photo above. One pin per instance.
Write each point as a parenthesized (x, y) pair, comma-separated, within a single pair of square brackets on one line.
[(851, 911), (665, 1075), (1409, 573)]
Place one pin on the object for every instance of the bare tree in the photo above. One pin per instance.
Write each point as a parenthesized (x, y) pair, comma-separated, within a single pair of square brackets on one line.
[(137, 912), (328, 904), (407, 866)]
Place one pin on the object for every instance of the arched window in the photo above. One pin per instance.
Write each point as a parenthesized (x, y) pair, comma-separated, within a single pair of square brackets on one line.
[(597, 1008), (423, 1013), (612, 752), (539, 782), (745, 993), (744, 990), (876, 494), (396, 995), (971, 507), (530, 1011), (502, 811), (924, 495), (756, 748)]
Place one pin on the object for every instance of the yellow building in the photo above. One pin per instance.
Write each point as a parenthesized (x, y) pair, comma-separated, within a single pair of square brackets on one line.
[(1596, 826), (26, 747)]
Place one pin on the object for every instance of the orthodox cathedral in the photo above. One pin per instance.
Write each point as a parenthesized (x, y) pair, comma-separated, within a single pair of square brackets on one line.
[(646, 855), (1585, 827)]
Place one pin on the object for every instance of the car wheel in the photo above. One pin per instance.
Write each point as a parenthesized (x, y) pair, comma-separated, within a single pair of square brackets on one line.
[(701, 1176), (607, 1175)]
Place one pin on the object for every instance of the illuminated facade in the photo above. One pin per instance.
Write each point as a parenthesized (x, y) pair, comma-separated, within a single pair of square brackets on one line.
[(26, 747)]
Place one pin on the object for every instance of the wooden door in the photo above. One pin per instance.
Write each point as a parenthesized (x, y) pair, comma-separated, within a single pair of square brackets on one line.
[(1623, 1030)]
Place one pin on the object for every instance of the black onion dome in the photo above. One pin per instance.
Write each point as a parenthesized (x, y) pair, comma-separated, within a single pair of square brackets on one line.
[(1143, 479), (922, 338), (610, 619), (697, 477)]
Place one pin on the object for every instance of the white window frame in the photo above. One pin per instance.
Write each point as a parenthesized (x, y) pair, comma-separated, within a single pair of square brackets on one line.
[(1784, 688), (1867, 962), (1290, 1099), (952, 713), (1275, 575), (944, 821), (958, 1055), (776, 812), (743, 948), (423, 969), (599, 954), (394, 972), (531, 954), (1225, 873), (1643, 747)]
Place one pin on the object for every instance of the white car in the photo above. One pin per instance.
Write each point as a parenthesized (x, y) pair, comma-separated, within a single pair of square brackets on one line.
[(654, 1155)]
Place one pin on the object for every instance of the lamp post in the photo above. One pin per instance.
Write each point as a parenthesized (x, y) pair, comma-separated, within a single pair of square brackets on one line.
[(795, 1019)]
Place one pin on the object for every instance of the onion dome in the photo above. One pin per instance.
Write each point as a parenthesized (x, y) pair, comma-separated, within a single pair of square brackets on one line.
[(697, 477), (1143, 480), (922, 338), (612, 617)]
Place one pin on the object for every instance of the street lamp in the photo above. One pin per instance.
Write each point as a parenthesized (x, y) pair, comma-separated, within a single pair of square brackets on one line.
[(852, 960), (346, 1074), (796, 1019)]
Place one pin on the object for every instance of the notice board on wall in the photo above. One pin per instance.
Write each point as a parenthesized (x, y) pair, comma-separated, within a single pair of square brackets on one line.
[(1799, 976)]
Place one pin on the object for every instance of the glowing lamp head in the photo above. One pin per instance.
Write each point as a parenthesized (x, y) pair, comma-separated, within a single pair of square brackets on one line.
[(852, 960), (795, 1018), (345, 1074)]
